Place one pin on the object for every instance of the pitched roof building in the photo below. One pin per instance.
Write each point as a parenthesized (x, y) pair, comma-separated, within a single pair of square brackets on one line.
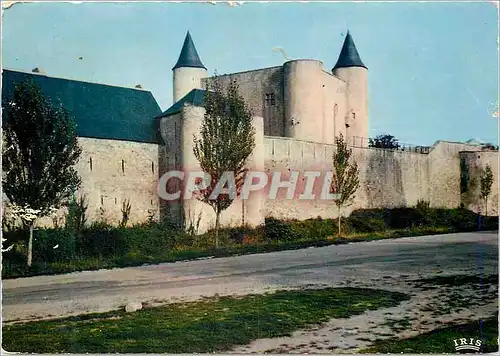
[(100, 110)]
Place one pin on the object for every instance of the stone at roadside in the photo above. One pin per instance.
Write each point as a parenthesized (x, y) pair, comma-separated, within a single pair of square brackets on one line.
[(133, 306)]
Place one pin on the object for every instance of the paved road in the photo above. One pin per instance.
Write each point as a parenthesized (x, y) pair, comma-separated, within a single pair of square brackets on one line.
[(367, 263)]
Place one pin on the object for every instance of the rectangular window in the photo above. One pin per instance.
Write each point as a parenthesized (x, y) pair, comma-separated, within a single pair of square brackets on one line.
[(152, 167), (270, 99), (90, 162), (123, 166)]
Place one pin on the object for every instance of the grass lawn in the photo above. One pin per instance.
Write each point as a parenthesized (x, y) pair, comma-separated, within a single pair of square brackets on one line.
[(441, 340), (206, 326)]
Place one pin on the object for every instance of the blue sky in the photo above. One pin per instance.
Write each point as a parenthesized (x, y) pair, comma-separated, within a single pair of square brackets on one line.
[(433, 67)]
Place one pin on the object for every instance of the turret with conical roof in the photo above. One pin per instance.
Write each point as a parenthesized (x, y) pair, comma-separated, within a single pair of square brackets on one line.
[(188, 71), (189, 56), (349, 56), (351, 69)]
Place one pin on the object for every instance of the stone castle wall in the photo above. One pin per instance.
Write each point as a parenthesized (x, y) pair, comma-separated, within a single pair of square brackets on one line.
[(120, 170), (387, 178), (270, 81), (113, 171), (307, 102), (194, 213)]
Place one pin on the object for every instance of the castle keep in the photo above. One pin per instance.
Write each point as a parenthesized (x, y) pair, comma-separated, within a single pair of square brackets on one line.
[(298, 99), (299, 108)]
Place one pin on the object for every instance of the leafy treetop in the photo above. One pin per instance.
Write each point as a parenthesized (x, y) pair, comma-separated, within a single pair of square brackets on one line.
[(40, 150)]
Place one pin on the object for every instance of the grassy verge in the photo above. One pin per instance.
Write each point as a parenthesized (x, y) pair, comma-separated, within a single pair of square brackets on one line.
[(176, 255), (441, 340), (207, 326)]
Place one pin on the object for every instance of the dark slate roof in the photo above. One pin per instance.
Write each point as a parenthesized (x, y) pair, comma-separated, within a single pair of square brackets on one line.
[(195, 97), (189, 56), (100, 111), (349, 56)]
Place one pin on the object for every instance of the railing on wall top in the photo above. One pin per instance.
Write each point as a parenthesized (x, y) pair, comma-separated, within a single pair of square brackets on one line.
[(363, 142), (356, 141)]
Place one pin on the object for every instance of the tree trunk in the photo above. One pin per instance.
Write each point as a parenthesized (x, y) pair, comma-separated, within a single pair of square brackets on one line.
[(486, 206), (30, 246), (217, 217), (339, 221), (242, 212)]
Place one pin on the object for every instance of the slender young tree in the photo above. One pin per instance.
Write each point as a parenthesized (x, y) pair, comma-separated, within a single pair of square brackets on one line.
[(345, 179), (40, 151), (486, 183), (226, 140)]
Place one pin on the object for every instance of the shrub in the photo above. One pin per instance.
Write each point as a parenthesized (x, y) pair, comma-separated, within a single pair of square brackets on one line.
[(76, 217), (147, 239), (463, 220), (314, 228), (422, 205), (490, 223), (16, 236), (238, 234), (184, 239), (16, 256), (51, 245), (126, 207), (362, 225), (277, 230), (250, 240), (246, 235), (102, 240)]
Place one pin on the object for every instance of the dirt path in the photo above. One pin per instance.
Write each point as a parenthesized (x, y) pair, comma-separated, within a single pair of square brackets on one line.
[(425, 311)]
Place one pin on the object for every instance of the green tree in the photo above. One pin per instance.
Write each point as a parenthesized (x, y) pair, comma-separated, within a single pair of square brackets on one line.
[(345, 179), (40, 151), (486, 183), (76, 217), (384, 141), (226, 140)]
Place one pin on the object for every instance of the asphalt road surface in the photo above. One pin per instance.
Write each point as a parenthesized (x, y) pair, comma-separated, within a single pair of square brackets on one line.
[(365, 263)]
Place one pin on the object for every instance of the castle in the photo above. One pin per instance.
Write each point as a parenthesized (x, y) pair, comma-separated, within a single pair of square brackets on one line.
[(299, 108)]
